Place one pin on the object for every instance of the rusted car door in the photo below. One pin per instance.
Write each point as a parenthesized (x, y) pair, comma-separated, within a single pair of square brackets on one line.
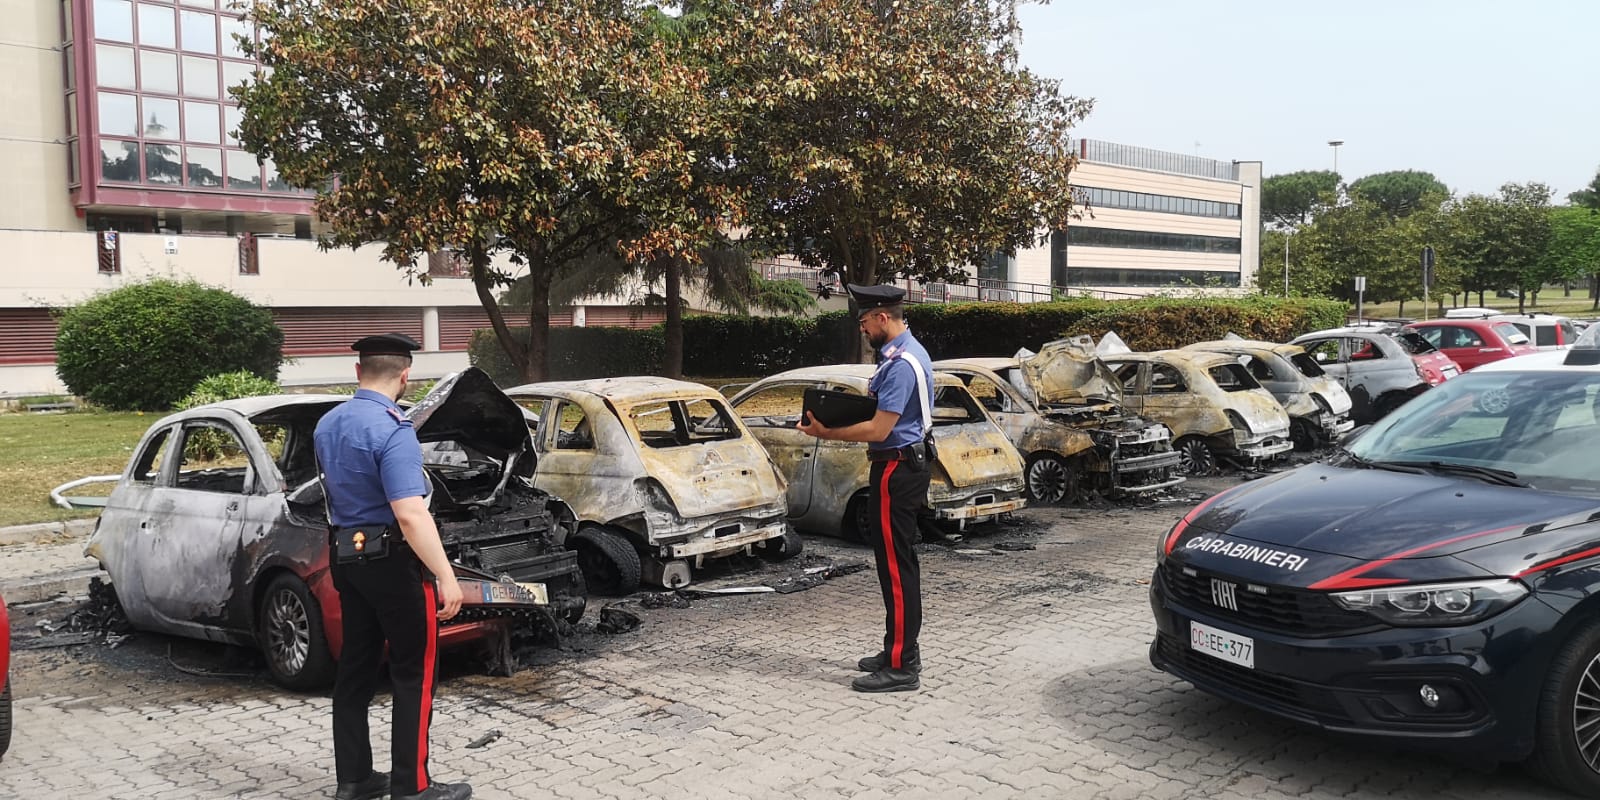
[(192, 535), (1170, 397), (771, 414), (577, 461), (1010, 411)]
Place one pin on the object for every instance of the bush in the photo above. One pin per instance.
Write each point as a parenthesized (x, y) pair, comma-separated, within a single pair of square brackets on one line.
[(733, 346), (147, 345), (212, 445), (575, 353), (1167, 323)]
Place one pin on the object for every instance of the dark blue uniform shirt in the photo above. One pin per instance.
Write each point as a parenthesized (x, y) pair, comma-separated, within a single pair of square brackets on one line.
[(894, 384), (370, 456)]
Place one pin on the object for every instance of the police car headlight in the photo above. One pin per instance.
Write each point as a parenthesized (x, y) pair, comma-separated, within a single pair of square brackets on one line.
[(1435, 604)]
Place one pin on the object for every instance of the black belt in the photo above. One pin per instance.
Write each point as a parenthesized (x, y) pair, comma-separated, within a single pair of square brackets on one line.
[(912, 452)]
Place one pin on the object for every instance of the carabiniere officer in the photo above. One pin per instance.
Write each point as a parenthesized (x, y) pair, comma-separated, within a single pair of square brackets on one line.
[(896, 438), (394, 581)]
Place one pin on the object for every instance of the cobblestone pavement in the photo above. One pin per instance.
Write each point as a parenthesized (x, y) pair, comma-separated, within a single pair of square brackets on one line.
[(1036, 685)]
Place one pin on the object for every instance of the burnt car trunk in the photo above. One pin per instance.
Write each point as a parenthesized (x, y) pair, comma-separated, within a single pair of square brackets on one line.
[(489, 515)]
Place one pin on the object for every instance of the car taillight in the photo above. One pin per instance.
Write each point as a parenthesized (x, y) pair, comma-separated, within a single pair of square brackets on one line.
[(1428, 374)]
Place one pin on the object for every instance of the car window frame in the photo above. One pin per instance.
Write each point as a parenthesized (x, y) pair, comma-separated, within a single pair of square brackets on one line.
[(252, 482)]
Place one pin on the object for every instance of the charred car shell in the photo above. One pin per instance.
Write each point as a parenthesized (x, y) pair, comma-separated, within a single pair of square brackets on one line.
[(1078, 430), (1210, 402), (1436, 585), (977, 477), (217, 529), (658, 466), (1318, 407)]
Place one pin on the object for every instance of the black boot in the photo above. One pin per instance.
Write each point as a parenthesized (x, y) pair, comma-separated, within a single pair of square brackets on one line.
[(440, 791), (887, 680), (375, 786), (874, 663)]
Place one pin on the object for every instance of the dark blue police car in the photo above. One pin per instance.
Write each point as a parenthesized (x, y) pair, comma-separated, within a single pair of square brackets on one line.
[(1436, 583)]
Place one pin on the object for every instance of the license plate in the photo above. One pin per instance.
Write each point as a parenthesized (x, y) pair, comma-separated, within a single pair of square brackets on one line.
[(500, 592), (1449, 372), (1229, 647)]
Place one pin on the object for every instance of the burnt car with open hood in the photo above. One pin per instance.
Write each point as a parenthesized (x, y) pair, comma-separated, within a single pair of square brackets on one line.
[(1434, 584), (217, 529), (1063, 410)]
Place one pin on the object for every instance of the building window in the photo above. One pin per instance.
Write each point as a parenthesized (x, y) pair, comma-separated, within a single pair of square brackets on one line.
[(249, 254), (1151, 240), (244, 171), (204, 166), (119, 114), (115, 66), (161, 164), (119, 161), (200, 77), (1162, 204), (158, 72), (108, 247), (1099, 276), (200, 123), (113, 20), (156, 27)]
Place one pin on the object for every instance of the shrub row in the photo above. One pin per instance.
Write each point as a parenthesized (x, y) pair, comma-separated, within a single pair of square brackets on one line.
[(731, 346)]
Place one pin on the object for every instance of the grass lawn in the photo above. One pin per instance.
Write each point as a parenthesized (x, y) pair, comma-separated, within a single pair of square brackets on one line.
[(43, 451), (1550, 301)]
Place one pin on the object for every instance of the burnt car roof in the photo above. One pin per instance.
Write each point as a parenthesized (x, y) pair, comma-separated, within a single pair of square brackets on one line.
[(1201, 359), (623, 390), (469, 408), (850, 372), (251, 407), (991, 363), (1245, 345)]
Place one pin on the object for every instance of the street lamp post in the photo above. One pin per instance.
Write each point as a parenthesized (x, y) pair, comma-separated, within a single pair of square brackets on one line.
[(1286, 235), (1334, 143)]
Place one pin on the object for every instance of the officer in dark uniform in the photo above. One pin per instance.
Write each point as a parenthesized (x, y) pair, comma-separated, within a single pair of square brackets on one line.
[(394, 580), (896, 438)]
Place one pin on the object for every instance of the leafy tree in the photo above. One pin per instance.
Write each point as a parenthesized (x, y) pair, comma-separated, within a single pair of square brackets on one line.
[(524, 135), (1291, 200), (1588, 196), (1402, 192), (895, 139), (1574, 249), (1500, 242)]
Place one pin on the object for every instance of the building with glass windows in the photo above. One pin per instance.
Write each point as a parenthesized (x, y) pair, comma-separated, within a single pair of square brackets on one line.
[(118, 162)]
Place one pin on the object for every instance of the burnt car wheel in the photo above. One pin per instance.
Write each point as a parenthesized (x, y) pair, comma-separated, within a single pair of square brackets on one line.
[(784, 547), (291, 635), (1052, 480), (1303, 434), (1194, 456), (610, 564), (858, 519), (1567, 742), (5, 718)]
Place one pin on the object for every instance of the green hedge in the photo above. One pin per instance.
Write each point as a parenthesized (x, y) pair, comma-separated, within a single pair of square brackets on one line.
[(733, 346), (575, 353), (148, 344)]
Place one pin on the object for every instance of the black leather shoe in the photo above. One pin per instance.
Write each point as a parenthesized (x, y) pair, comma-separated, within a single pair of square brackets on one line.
[(440, 791), (887, 680), (375, 786), (874, 663)]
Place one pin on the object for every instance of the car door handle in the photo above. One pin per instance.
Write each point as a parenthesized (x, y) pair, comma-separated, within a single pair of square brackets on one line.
[(233, 506), (144, 525)]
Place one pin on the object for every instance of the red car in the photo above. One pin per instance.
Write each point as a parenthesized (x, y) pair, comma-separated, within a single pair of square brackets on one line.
[(1474, 342), (5, 676)]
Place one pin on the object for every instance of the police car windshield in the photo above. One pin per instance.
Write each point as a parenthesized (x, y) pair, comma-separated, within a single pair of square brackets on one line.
[(1538, 428)]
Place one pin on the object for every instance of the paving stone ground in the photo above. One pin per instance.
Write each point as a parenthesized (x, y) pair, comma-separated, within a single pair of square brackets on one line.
[(1036, 685)]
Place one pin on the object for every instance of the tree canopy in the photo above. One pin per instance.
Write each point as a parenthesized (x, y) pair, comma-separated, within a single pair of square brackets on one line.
[(1293, 198), (1402, 192)]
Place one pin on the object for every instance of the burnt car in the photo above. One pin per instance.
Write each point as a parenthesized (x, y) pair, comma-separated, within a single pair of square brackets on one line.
[(1318, 407), (218, 530), (1381, 368), (1063, 410), (1435, 585), (1212, 404), (976, 478), (661, 476)]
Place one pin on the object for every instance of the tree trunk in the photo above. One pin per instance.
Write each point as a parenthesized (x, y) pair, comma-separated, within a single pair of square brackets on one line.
[(1522, 299), (536, 367), (1402, 311), (1480, 297), (672, 352), (857, 351), (513, 349), (1594, 291)]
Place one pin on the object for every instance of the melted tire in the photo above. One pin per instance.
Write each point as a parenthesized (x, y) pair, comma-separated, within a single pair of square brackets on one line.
[(784, 547), (609, 563)]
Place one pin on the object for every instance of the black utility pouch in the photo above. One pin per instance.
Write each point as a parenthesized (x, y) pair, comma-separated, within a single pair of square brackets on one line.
[(355, 545), (928, 448)]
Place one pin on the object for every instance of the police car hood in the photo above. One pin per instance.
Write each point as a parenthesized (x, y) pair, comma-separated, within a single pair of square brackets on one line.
[(1369, 515), (468, 408)]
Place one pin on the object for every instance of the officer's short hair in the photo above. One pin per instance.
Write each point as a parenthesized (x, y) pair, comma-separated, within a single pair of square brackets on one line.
[(383, 365)]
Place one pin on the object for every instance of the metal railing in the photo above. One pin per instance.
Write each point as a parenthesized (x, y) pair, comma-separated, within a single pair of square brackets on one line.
[(1127, 155), (976, 290)]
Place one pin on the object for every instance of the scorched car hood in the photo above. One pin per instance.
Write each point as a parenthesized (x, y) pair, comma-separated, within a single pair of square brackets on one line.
[(1067, 372), (470, 409), (1377, 514)]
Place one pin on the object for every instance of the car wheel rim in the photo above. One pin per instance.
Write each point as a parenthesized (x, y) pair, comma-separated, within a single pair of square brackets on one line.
[(1048, 480), (1586, 714), (1195, 458), (288, 632)]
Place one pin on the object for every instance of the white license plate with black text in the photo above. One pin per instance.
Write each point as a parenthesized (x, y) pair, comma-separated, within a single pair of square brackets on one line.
[(1218, 643)]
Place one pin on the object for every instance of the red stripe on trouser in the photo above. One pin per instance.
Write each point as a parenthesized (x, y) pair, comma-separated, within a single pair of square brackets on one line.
[(887, 526), (429, 657)]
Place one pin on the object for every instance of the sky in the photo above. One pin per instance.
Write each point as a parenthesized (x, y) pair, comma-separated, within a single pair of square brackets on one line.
[(1478, 93)]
